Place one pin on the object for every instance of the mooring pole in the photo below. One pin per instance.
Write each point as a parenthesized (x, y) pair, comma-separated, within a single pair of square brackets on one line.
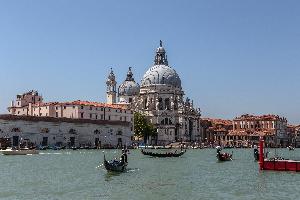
[(261, 153)]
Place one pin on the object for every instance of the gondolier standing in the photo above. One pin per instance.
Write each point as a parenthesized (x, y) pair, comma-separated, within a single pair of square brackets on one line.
[(124, 156)]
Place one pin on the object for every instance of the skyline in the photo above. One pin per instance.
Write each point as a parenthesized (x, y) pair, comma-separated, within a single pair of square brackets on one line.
[(233, 58)]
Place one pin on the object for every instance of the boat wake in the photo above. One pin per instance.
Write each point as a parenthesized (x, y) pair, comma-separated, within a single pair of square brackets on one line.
[(50, 153), (132, 169)]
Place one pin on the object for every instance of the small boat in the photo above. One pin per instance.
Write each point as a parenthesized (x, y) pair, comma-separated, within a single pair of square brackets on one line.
[(23, 151), (223, 156), (43, 147), (291, 148), (115, 165), (163, 155)]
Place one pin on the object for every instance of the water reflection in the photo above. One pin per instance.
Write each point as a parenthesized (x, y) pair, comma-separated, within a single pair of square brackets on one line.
[(110, 175)]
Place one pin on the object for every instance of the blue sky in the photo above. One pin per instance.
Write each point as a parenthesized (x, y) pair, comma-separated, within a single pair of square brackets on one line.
[(233, 57)]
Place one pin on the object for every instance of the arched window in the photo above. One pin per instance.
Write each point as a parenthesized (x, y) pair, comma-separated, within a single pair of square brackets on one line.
[(44, 130), (166, 121), (167, 103), (15, 130), (160, 104), (72, 131), (145, 103), (119, 132)]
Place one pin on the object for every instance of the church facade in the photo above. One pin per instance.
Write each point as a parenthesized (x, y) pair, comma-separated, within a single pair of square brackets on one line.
[(160, 97)]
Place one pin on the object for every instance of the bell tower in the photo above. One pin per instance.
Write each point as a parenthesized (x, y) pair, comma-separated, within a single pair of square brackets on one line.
[(111, 91)]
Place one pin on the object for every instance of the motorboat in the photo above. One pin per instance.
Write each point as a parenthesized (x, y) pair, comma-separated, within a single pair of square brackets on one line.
[(21, 151)]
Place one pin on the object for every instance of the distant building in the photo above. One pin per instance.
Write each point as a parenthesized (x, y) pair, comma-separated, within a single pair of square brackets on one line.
[(50, 131), (297, 136), (215, 130), (84, 116), (247, 129), (28, 104)]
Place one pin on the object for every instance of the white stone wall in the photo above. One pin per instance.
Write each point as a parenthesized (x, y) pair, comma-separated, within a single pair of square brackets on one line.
[(59, 132)]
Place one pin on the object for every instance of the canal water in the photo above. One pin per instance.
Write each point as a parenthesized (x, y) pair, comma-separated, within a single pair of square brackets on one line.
[(69, 174)]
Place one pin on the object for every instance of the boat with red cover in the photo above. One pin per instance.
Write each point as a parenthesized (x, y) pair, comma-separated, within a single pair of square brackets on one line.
[(276, 163)]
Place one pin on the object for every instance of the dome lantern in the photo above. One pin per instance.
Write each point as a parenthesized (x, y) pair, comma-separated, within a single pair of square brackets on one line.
[(160, 57), (161, 73)]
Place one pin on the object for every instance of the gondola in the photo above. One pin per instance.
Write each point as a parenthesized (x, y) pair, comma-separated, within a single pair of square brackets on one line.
[(114, 165), (223, 156), (162, 155)]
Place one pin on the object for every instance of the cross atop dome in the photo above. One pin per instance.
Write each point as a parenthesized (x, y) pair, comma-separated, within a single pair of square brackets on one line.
[(160, 57)]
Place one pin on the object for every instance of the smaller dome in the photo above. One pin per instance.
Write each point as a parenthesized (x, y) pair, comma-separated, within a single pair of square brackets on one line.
[(129, 87)]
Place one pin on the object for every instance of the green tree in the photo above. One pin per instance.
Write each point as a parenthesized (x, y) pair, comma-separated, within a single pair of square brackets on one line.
[(142, 127)]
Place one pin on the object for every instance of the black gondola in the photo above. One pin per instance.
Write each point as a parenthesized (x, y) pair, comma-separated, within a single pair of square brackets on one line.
[(162, 155), (115, 165), (223, 156)]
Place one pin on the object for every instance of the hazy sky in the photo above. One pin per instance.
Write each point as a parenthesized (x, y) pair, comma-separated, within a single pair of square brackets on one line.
[(233, 57)]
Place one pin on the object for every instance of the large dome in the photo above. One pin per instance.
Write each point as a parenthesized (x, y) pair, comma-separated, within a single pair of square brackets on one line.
[(161, 74)]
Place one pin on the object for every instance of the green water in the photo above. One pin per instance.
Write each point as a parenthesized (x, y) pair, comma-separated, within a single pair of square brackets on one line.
[(80, 174)]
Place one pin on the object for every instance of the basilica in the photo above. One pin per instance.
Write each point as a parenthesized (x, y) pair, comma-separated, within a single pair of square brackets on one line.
[(159, 97)]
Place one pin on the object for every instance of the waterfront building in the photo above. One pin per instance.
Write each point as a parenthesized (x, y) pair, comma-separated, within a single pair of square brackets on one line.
[(100, 116), (51, 131), (214, 131), (297, 136), (247, 129)]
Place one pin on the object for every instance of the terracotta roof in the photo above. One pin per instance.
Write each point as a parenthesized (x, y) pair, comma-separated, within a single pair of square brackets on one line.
[(261, 117), (67, 120), (218, 121)]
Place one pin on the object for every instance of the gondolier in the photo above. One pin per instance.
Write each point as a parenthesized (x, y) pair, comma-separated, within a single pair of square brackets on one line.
[(124, 158)]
